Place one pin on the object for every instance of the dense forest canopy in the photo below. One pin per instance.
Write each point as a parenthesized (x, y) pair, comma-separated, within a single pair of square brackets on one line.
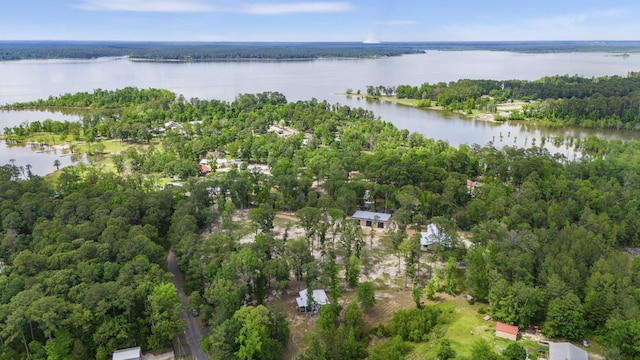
[(204, 51), (547, 235)]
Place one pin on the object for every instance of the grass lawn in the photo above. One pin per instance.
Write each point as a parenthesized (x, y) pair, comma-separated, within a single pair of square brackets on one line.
[(464, 330)]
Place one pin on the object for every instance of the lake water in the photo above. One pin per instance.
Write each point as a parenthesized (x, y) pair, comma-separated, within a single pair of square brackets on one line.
[(321, 79)]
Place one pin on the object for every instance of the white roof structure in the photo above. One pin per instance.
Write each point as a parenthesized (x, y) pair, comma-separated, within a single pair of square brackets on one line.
[(566, 351), (370, 215), (128, 354), (434, 236), (319, 297)]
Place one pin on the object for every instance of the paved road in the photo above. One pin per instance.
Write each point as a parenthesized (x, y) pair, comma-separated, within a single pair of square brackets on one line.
[(192, 333)]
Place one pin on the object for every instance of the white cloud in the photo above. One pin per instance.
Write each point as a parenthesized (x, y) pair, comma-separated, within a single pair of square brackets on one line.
[(395, 22), (177, 6), (568, 20), (144, 5), (594, 25), (296, 8)]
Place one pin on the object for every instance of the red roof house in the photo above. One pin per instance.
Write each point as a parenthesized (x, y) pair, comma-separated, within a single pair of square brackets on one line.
[(506, 331)]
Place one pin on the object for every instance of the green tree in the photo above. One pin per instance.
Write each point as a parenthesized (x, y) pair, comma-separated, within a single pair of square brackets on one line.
[(514, 351), (394, 349), (57, 164), (444, 351), (164, 307), (565, 318), (262, 217), (352, 271), (354, 319), (60, 346), (309, 219), (366, 295), (481, 350), (451, 276)]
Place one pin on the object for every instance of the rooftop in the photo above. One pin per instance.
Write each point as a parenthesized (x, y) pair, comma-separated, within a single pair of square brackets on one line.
[(127, 354), (370, 215), (566, 351), (509, 329), (318, 295)]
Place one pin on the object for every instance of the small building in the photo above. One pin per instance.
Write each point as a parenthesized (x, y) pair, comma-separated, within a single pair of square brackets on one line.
[(128, 354), (222, 163), (172, 125), (372, 219), (471, 186), (566, 351), (506, 331), (433, 237), (318, 298), (204, 167)]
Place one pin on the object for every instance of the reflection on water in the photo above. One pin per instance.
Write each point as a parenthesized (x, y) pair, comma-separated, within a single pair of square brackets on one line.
[(41, 158)]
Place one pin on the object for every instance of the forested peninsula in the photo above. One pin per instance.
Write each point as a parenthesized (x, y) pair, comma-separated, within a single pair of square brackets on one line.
[(607, 102), (230, 51), (255, 197)]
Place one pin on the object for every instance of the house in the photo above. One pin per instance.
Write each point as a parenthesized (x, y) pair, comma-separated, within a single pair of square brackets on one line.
[(172, 125), (222, 163), (128, 354), (318, 298), (506, 331), (566, 351), (372, 219), (471, 186), (204, 168), (433, 237), (259, 169)]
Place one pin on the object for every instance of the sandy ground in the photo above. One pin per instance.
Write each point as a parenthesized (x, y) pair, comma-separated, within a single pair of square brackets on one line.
[(165, 356)]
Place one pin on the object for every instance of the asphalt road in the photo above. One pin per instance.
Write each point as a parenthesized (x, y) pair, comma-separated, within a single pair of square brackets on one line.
[(192, 333)]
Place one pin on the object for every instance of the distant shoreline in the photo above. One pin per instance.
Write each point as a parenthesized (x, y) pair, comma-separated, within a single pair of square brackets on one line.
[(286, 51), (413, 103)]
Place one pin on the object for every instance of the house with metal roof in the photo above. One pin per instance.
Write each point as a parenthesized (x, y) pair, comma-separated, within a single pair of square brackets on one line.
[(313, 304), (434, 237), (128, 354), (372, 219), (566, 351)]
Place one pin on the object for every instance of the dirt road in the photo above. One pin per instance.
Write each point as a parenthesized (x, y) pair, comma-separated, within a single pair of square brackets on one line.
[(192, 333)]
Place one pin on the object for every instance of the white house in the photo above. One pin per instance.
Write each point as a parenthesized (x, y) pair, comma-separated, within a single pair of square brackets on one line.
[(434, 237), (128, 354), (318, 298)]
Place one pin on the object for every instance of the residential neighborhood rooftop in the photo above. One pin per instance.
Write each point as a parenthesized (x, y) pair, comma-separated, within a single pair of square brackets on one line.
[(319, 297), (566, 351), (127, 354), (510, 329), (370, 215)]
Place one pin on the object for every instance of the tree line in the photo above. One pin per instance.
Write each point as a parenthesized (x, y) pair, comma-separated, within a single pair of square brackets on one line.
[(198, 51)]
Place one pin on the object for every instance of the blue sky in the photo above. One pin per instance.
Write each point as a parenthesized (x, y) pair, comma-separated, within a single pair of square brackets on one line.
[(355, 20)]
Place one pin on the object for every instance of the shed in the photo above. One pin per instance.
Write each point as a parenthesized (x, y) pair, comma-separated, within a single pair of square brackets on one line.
[(128, 354), (318, 298), (433, 237), (566, 351), (506, 331), (372, 219)]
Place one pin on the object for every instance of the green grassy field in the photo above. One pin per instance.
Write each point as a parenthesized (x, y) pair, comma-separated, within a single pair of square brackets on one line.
[(467, 327)]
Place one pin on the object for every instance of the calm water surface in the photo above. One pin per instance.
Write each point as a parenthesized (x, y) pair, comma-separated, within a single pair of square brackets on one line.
[(320, 79)]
